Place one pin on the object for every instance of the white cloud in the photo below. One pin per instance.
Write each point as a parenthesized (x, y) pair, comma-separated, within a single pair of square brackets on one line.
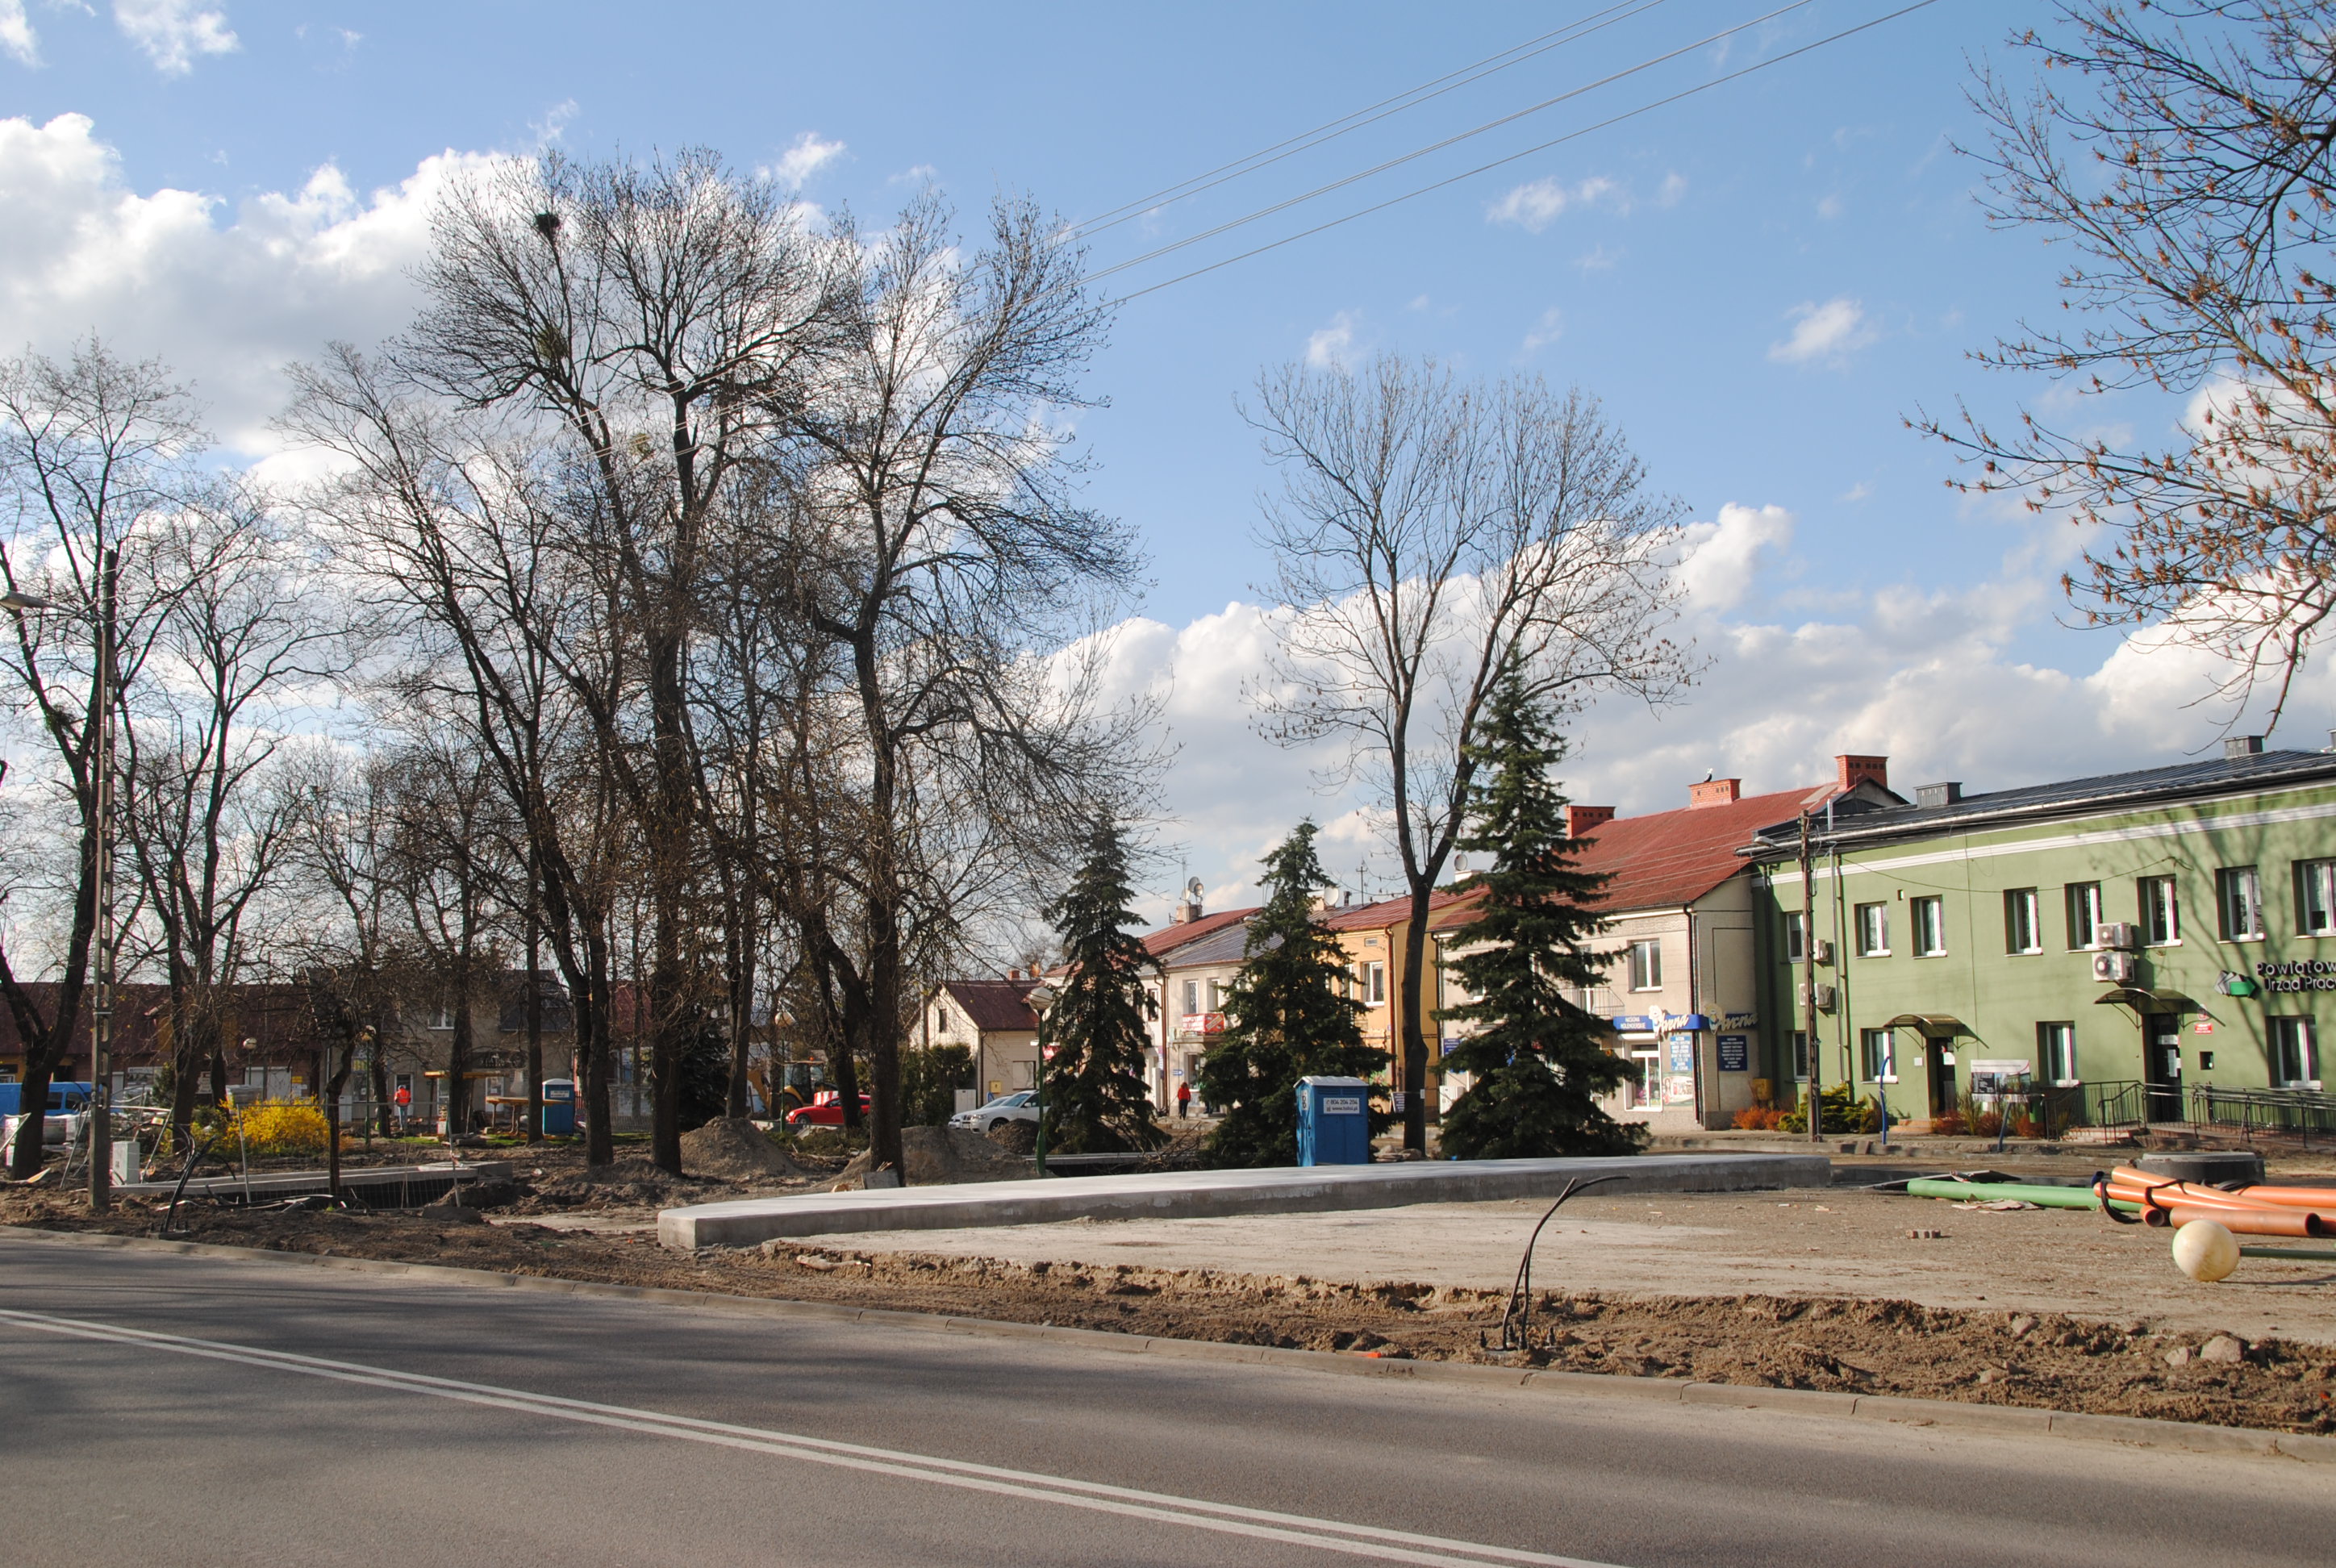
[(1533, 207), (174, 32), (803, 159), (16, 35), (1332, 347), (1937, 681), (1856, 493), (1546, 331), (1828, 334), (225, 296), (1673, 190), (554, 123)]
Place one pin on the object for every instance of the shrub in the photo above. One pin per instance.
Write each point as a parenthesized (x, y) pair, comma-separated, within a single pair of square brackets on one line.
[(1843, 1113), (1950, 1123), (280, 1127), (1763, 1118)]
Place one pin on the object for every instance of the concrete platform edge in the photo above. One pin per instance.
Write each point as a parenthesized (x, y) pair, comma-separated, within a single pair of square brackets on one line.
[(2021, 1419), (746, 1222)]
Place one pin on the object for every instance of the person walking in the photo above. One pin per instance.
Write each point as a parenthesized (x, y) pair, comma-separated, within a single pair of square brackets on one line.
[(1183, 1097)]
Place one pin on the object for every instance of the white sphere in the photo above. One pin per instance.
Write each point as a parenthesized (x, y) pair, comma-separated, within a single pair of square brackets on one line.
[(2205, 1251)]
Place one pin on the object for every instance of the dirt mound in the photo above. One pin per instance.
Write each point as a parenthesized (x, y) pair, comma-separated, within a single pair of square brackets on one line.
[(1015, 1137), (938, 1157), (627, 1184), (735, 1149)]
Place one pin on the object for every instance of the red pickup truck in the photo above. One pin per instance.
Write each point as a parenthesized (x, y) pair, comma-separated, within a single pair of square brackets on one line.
[(825, 1110)]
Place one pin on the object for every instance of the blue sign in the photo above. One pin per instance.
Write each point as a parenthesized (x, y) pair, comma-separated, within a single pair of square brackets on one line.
[(1735, 1053), (1634, 1024)]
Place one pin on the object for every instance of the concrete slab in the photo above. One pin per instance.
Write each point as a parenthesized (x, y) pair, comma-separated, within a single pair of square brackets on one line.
[(1192, 1193)]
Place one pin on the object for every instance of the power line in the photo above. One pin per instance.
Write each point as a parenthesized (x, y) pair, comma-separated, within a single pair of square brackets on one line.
[(1527, 152), (1330, 130), (1417, 153)]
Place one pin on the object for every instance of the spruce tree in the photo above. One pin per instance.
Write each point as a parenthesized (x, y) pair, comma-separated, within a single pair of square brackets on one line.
[(1537, 1060), (1288, 1016), (1093, 1040)]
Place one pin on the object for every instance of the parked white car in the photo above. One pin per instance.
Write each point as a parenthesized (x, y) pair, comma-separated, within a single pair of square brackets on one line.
[(1015, 1108)]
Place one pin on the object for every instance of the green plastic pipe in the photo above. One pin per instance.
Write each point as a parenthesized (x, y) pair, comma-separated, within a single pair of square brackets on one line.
[(2042, 1197)]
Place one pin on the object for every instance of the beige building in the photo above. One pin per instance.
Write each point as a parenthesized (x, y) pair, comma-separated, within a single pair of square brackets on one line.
[(991, 1018), (1682, 994)]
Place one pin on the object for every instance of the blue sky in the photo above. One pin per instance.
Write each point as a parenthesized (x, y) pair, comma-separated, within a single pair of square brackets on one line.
[(1760, 281)]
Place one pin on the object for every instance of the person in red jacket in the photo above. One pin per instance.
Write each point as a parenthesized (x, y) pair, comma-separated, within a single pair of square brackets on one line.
[(1183, 1097)]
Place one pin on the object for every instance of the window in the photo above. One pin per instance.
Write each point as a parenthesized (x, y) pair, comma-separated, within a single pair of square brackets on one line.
[(1192, 996), (2315, 897), (2056, 1052), (2295, 1054), (940, 1020), (2023, 924), (2161, 918), (1801, 1055), (1216, 995), (1374, 985), (1797, 936), (1930, 927), (1647, 965), (2238, 891), (1873, 930), (1877, 1056), (2084, 915)]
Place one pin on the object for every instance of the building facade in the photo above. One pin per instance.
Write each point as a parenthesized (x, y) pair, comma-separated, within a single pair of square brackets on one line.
[(2136, 935)]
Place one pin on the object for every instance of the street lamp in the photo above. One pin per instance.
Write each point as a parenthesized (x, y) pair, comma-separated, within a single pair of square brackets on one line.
[(101, 1047), (1041, 997)]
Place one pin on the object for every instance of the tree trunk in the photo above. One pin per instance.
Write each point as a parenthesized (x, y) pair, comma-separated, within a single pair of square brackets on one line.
[(534, 1019), (1412, 1038), (458, 1067)]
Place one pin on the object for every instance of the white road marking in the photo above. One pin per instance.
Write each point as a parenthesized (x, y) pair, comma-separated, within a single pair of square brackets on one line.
[(1162, 1507)]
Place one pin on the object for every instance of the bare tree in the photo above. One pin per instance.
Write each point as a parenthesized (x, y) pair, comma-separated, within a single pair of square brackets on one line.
[(1428, 536), (94, 450), (938, 549), (2183, 157), (661, 320), (245, 630)]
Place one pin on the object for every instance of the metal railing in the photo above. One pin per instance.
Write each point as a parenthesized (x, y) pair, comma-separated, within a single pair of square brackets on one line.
[(2301, 1114)]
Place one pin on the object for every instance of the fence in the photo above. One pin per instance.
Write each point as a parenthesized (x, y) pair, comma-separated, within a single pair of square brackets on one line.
[(2301, 1114)]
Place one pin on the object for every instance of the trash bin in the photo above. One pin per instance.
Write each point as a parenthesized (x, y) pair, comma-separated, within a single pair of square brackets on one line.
[(559, 1107), (1334, 1123)]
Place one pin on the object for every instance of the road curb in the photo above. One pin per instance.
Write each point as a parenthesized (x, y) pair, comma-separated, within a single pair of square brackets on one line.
[(2007, 1419)]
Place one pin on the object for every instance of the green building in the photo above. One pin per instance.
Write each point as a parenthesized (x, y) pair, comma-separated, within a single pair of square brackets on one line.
[(2127, 939)]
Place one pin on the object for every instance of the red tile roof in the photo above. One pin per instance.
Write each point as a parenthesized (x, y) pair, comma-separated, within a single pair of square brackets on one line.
[(1675, 857), (994, 1006), (1382, 914)]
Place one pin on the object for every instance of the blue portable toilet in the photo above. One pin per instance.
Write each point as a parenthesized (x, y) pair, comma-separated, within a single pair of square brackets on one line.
[(1334, 1123), (559, 1107)]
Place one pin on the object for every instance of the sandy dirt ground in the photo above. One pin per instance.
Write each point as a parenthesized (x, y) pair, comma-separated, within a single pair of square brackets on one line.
[(1794, 1244)]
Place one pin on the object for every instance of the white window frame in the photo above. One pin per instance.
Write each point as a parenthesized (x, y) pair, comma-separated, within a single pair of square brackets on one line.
[(2238, 892), (1800, 1050), (2315, 897), (1873, 926), (1374, 989), (1931, 911), (2023, 921), (2157, 896), (2294, 1045), (1192, 996), (1796, 936), (2056, 1053), (2081, 903), (1877, 1056), (1645, 957)]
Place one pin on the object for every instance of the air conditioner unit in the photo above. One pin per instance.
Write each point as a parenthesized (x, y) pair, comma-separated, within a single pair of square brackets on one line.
[(1825, 999), (2121, 934), (1822, 952), (2113, 968)]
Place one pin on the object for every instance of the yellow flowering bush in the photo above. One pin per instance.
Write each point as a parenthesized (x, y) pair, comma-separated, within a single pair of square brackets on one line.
[(280, 1127)]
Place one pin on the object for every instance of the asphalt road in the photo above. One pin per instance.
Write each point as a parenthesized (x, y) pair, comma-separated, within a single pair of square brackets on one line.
[(169, 1411)]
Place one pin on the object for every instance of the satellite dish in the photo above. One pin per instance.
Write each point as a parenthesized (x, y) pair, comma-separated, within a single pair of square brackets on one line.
[(1192, 889)]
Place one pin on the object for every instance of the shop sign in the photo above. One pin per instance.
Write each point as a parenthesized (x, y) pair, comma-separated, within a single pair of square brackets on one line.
[(1740, 1020), (2298, 975), (1682, 1057), (1735, 1053), (1633, 1024), (1202, 1024)]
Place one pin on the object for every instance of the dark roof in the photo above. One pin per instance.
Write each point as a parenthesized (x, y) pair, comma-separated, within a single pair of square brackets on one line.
[(1168, 939), (994, 1006), (1225, 945), (2143, 787)]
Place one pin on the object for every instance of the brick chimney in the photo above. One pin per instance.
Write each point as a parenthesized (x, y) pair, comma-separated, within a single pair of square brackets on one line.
[(1579, 820), (1714, 792), (1849, 772)]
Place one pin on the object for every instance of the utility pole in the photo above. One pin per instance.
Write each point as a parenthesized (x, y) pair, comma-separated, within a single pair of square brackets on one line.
[(1809, 977)]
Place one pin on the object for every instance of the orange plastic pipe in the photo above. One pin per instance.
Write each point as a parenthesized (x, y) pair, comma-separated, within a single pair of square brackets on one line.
[(2241, 1222), (2321, 1198)]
